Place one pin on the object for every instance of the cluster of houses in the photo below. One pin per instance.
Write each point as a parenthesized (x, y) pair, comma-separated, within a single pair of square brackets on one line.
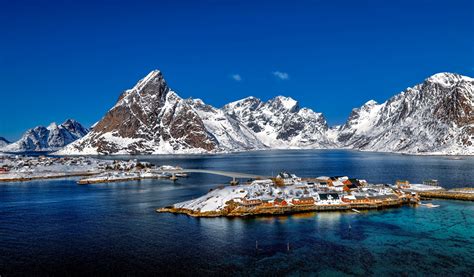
[(121, 165), (19, 163), (289, 190)]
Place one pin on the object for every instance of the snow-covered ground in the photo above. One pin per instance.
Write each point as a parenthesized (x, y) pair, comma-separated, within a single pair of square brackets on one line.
[(266, 193), (422, 187), (114, 176), (18, 168), (23, 167)]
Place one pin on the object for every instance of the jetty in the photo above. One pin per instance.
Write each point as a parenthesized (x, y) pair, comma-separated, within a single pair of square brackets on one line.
[(465, 194)]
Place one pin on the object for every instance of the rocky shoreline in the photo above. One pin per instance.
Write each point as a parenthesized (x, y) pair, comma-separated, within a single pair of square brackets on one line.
[(52, 176), (465, 194), (233, 210)]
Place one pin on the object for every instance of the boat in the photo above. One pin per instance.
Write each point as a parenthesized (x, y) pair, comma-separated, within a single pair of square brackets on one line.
[(356, 211), (429, 205)]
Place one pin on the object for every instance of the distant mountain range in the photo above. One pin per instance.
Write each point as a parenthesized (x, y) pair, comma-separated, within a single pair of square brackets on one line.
[(49, 138), (434, 117)]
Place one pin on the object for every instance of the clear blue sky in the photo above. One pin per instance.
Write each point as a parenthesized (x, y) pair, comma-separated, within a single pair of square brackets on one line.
[(72, 59)]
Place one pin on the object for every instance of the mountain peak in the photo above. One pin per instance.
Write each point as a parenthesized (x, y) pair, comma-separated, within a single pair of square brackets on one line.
[(370, 103), (250, 103), (155, 77), (287, 103), (53, 137), (448, 79), (52, 126), (69, 121)]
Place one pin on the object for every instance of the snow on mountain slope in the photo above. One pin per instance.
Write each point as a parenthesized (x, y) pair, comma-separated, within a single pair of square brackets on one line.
[(147, 119), (3, 142), (434, 117), (230, 134), (152, 119), (48, 138), (281, 123)]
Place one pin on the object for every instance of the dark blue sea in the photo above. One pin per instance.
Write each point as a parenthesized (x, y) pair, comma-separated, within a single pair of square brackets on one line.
[(56, 227)]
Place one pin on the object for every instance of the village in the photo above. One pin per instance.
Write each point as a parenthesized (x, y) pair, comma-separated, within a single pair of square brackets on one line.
[(284, 193), (14, 168), (288, 193)]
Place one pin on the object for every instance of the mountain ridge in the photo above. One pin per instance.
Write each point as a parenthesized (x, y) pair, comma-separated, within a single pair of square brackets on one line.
[(50, 138), (433, 117)]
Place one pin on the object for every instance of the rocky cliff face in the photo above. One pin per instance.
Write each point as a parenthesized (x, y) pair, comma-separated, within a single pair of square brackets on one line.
[(48, 138), (149, 118), (434, 117), (281, 123)]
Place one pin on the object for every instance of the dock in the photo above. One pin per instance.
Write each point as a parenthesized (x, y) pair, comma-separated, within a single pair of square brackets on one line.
[(458, 194)]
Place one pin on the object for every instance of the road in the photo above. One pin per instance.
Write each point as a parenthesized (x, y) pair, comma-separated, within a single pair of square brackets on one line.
[(235, 175)]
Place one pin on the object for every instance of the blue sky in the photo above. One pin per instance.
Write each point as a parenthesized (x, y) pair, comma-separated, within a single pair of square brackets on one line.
[(72, 59)]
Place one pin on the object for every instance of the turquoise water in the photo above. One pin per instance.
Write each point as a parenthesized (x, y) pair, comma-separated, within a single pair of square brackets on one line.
[(55, 227)]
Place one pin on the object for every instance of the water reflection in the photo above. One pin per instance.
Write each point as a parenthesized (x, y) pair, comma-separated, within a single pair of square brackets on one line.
[(56, 227)]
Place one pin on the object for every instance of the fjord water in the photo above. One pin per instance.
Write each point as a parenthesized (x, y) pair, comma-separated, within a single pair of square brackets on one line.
[(57, 227)]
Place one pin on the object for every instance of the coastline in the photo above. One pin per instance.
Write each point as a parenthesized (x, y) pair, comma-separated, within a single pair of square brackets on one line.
[(226, 152), (54, 176), (457, 194), (233, 210)]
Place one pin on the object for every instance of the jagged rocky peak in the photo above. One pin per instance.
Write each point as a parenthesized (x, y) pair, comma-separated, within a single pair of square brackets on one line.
[(153, 84), (49, 138), (369, 104), (435, 116), (148, 118), (280, 123), (75, 127), (244, 105), (52, 126), (282, 102), (448, 79)]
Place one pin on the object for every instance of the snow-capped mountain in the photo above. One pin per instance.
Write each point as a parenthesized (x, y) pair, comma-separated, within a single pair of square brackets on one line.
[(229, 132), (434, 117), (281, 123), (150, 118), (3, 142), (48, 138)]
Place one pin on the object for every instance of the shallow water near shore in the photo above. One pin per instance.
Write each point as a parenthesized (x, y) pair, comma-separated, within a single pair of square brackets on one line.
[(57, 227)]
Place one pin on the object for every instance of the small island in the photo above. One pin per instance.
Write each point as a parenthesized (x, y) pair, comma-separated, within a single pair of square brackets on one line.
[(288, 193)]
